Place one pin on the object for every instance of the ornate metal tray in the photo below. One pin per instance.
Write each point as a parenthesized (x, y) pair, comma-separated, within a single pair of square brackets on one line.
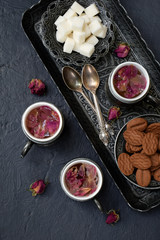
[(137, 198)]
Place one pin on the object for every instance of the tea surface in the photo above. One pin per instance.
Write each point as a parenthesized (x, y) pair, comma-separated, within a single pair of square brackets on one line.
[(82, 179), (42, 122), (129, 82)]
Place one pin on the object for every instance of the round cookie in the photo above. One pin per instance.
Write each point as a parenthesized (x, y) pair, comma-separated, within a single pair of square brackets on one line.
[(139, 124), (154, 128), (150, 144), (128, 148), (124, 164), (140, 161), (133, 137), (132, 149), (143, 177)]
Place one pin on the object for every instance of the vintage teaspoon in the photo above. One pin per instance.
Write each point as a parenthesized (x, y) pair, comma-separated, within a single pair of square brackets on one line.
[(73, 81), (91, 81)]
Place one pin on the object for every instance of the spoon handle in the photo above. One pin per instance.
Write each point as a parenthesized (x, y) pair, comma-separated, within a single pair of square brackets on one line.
[(98, 110), (107, 126), (87, 99), (103, 133)]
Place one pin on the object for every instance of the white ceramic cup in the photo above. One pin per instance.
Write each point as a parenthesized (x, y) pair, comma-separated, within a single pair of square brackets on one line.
[(118, 96), (63, 182), (40, 141)]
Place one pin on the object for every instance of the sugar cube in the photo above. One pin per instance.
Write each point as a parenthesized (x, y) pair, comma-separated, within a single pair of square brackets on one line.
[(85, 17), (76, 47), (76, 7), (70, 13), (102, 32), (95, 27), (59, 20), (79, 37), (64, 27), (87, 31), (92, 40), (61, 36), (69, 45), (86, 49), (92, 10), (76, 23)]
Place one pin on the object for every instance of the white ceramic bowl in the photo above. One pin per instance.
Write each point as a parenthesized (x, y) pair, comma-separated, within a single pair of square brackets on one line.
[(123, 99), (75, 162), (43, 141)]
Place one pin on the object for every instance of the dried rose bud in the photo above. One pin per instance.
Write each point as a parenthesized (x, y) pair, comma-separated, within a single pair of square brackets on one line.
[(113, 217), (114, 112), (122, 50), (37, 87), (37, 187)]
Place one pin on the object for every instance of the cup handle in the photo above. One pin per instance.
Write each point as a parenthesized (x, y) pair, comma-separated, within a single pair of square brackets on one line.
[(98, 205), (153, 99), (26, 148)]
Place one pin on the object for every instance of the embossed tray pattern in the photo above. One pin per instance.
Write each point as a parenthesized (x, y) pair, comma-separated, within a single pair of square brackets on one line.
[(137, 198)]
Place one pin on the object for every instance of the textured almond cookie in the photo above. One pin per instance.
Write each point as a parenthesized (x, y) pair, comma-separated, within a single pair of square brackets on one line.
[(132, 149), (156, 175), (140, 161), (154, 128), (150, 143), (155, 159), (139, 124), (133, 137), (124, 164), (143, 177), (128, 148)]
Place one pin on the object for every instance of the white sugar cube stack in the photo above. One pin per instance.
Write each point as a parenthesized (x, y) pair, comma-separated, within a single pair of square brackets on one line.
[(79, 29)]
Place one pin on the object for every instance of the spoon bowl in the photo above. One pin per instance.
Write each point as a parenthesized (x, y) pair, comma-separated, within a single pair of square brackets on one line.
[(90, 78), (72, 79)]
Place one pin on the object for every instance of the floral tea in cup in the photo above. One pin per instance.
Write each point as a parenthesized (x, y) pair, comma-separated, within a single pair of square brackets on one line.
[(42, 123), (81, 179), (129, 82)]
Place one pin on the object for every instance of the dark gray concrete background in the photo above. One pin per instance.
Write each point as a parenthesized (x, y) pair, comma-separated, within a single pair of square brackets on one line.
[(53, 216)]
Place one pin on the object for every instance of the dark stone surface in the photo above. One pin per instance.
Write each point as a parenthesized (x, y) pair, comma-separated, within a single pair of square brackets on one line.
[(53, 215)]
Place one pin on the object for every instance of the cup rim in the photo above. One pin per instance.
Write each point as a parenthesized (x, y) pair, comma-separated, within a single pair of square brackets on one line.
[(30, 136), (72, 163), (118, 96)]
